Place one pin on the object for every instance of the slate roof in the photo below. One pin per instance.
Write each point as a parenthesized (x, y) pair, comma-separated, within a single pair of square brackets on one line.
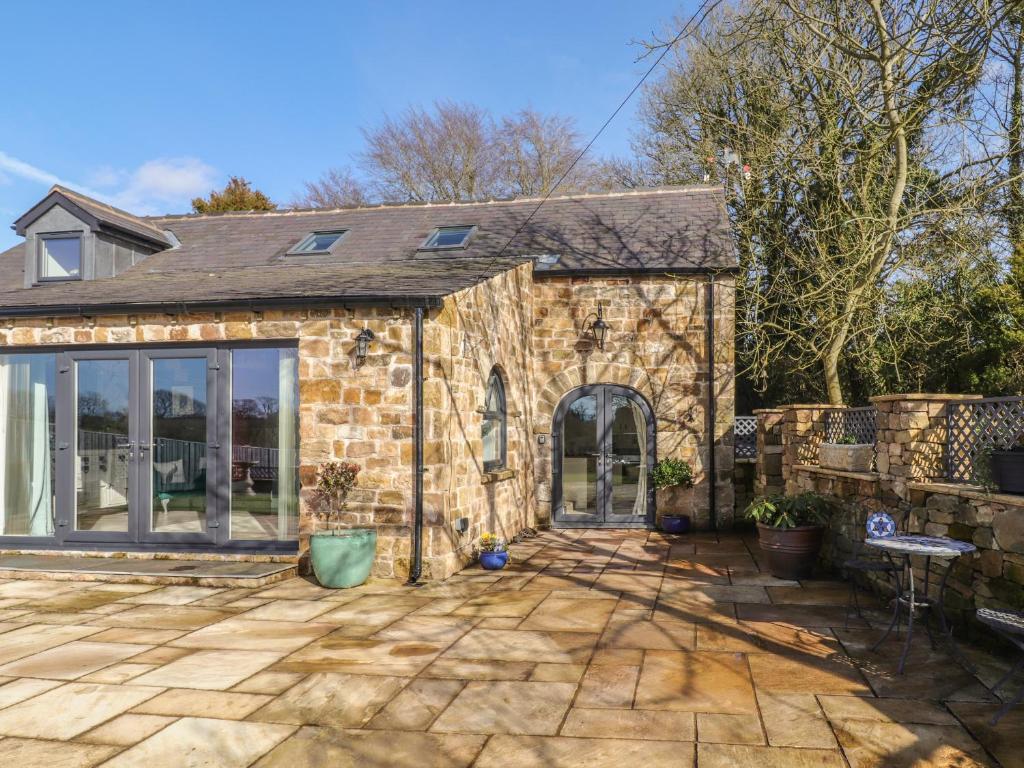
[(238, 257)]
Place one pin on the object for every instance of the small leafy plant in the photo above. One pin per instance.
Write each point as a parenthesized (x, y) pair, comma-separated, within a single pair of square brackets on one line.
[(790, 511), (847, 440), (492, 542), (335, 480), (669, 473)]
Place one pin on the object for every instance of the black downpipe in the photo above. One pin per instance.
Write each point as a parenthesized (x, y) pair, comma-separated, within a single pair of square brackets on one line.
[(416, 570), (709, 303)]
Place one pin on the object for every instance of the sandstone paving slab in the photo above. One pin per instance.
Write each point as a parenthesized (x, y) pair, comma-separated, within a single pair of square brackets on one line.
[(81, 707), (1003, 740), (938, 678), (133, 635), (507, 707), (697, 681), (754, 577), (789, 640), (442, 606), (210, 670), (182, 702), (498, 622), (288, 610), (798, 615), (81, 600), (608, 686), (717, 728), (871, 744), (439, 630), (24, 688), (174, 595), (37, 588), (53, 754), (717, 593), (649, 635), (558, 673), (808, 674), (165, 617), (562, 752), (118, 673), (417, 705), (253, 635), (649, 724), (626, 582), (733, 755), (371, 656), (692, 606), (629, 657), (269, 682), (569, 615), (795, 720), (467, 669), (295, 589), (362, 749), (373, 610), (164, 654), (125, 730), (193, 741), (515, 603), (840, 708), (524, 645), (71, 660), (332, 699), (32, 639), (695, 572), (828, 593)]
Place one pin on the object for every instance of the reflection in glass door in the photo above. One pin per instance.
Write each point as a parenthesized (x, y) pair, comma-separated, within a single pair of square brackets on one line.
[(604, 452), (104, 444)]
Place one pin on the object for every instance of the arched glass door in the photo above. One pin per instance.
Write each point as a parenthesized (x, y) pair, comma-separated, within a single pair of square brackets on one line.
[(603, 444)]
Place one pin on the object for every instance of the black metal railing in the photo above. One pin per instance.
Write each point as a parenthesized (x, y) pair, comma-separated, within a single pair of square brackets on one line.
[(745, 437), (976, 427), (859, 423)]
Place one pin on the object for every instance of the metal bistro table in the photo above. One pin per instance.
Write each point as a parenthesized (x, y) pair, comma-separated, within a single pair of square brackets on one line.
[(907, 596)]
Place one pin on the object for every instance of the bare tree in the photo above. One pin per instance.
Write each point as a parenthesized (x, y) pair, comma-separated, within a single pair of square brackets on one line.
[(336, 188)]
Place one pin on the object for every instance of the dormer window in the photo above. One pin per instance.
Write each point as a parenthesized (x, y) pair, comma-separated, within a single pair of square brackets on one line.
[(447, 237), (318, 242), (60, 256)]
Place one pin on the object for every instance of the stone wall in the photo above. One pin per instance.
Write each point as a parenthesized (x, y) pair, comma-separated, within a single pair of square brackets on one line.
[(656, 345), (768, 478)]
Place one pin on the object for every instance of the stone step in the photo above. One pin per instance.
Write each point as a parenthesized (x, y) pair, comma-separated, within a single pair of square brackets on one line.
[(235, 572)]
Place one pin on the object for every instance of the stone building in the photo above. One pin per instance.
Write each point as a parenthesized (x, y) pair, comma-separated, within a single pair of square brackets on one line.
[(175, 384)]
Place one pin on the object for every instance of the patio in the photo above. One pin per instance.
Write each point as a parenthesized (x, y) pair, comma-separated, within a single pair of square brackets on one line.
[(595, 648)]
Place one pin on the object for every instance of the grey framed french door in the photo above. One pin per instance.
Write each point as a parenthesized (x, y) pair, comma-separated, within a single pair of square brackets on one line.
[(137, 457), (603, 451)]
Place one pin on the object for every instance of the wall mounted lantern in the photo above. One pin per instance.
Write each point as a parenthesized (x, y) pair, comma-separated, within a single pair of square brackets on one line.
[(599, 328), (363, 343)]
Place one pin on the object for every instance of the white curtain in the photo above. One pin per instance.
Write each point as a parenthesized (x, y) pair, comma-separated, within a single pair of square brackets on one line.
[(640, 421), (26, 495), (287, 502)]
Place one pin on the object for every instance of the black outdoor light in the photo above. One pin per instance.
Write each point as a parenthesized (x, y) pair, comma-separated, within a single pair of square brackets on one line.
[(363, 343), (599, 328)]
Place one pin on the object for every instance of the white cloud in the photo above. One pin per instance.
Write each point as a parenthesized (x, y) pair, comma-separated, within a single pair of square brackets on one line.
[(164, 185)]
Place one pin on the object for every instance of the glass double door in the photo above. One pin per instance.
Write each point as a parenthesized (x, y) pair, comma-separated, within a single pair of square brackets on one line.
[(603, 444), (142, 447)]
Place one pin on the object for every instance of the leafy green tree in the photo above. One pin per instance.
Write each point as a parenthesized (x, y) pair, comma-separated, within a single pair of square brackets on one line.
[(237, 195)]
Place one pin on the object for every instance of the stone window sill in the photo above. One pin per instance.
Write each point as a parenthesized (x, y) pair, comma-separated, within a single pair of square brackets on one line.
[(497, 476), (965, 491)]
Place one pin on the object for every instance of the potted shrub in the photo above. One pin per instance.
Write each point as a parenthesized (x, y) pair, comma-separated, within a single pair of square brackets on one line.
[(789, 530), (672, 474), (1007, 468), (493, 552), (341, 557), (847, 455)]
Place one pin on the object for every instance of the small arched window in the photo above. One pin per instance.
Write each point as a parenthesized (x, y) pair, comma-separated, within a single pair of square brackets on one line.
[(495, 428)]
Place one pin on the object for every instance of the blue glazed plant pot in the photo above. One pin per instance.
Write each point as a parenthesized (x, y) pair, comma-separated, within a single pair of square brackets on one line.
[(493, 561), (343, 559), (675, 523)]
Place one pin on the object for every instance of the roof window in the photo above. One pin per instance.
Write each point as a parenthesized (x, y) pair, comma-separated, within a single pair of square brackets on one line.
[(319, 242), (447, 237)]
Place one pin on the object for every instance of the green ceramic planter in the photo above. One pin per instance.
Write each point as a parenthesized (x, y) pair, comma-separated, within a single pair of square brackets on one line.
[(343, 559)]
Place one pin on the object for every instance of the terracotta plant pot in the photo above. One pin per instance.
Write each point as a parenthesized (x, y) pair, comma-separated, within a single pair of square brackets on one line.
[(846, 458), (792, 552), (1008, 471)]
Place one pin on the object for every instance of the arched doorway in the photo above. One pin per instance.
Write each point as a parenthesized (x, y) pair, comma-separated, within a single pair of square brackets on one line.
[(603, 453)]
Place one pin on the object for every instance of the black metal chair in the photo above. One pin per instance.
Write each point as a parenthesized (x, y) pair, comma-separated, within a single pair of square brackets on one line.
[(878, 524), (1010, 626)]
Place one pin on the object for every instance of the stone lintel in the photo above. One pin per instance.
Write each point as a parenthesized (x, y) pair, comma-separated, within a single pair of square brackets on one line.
[(815, 469)]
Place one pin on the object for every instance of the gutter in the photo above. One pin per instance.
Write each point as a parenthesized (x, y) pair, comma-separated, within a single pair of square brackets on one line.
[(188, 307), (416, 568), (712, 409)]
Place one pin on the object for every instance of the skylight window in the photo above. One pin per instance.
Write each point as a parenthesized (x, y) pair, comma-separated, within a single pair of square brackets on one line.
[(447, 237), (318, 242)]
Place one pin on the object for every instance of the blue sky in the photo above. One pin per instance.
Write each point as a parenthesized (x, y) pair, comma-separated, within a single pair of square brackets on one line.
[(148, 105)]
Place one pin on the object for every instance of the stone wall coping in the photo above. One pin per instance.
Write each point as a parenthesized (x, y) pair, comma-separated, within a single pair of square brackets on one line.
[(823, 406), (923, 396), (744, 460), (964, 491), (758, 411), (815, 469)]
